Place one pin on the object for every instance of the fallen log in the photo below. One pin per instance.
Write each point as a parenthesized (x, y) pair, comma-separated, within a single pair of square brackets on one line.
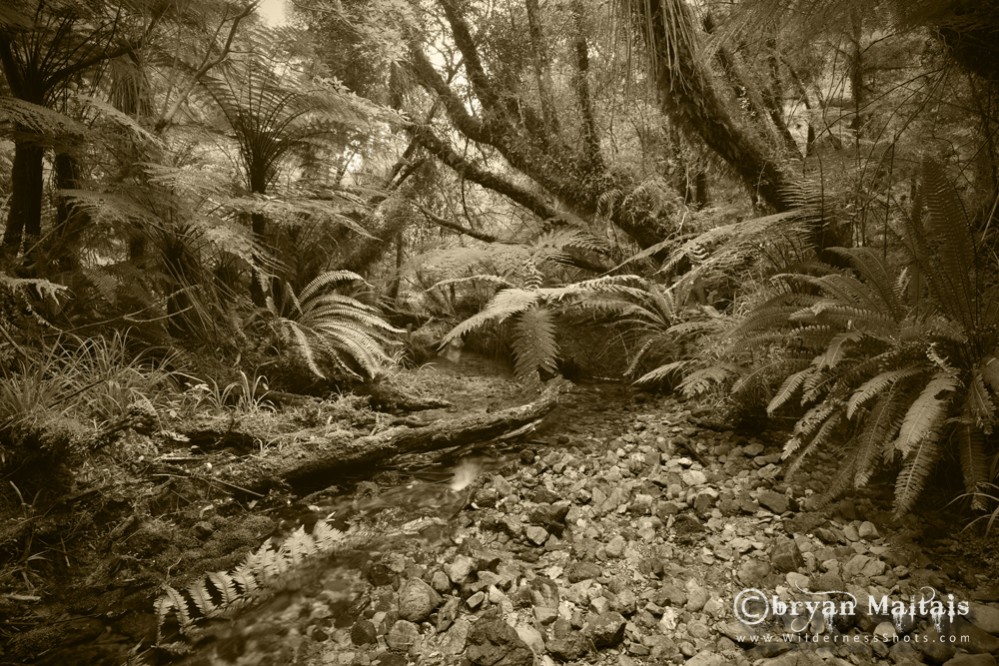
[(312, 464)]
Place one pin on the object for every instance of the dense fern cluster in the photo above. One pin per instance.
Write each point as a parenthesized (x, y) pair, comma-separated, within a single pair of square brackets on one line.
[(896, 364), (331, 332)]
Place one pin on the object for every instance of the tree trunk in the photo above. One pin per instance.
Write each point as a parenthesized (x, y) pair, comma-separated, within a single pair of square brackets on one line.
[(70, 220), (318, 461), (24, 220), (686, 95), (856, 65)]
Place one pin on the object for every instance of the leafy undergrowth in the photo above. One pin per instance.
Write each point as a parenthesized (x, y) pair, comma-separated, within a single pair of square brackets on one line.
[(144, 506)]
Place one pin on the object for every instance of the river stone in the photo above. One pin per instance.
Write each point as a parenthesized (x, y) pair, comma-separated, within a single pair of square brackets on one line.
[(403, 636), (786, 556), (580, 571), (797, 581), (697, 596), (752, 572), (774, 501), (457, 636), (707, 658), (531, 637), (417, 600), (867, 530), (364, 632), (931, 646), (985, 617), (460, 569), (440, 582), (851, 532), (693, 477), (493, 642), (616, 546), (536, 535), (797, 658), (705, 500), (886, 631), (904, 652), (569, 647), (978, 640), (606, 629)]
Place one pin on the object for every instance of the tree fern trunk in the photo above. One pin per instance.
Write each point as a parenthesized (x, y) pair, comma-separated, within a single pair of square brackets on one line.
[(24, 220), (687, 96), (70, 219)]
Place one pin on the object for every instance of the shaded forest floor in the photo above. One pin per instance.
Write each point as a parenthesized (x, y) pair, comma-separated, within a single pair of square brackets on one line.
[(620, 530)]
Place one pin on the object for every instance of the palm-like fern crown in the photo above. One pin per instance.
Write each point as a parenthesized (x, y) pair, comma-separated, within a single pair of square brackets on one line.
[(902, 360)]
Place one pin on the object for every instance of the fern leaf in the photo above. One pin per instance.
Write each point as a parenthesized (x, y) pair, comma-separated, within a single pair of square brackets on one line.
[(297, 546), (703, 380), (840, 481), (835, 352), (788, 389), (916, 468), (974, 465), (502, 306), (874, 386), (534, 345), (981, 408), (226, 587), (880, 427), (808, 424), (173, 600), (671, 370), (948, 231), (245, 576), (926, 414), (201, 598), (325, 280), (821, 438)]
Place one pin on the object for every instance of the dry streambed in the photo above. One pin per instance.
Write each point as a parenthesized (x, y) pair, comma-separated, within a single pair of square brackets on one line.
[(604, 542)]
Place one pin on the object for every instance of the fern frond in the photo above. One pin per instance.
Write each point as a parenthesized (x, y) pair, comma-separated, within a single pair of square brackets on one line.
[(788, 389), (225, 584), (814, 419), (981, 407), (821, 438), (534, 345), (202, 599), (916, 468), (496, 280), (880, 428), (836, 350), (325, 280), (926, 414), (950, 253), (875, 273), (874, 386), (716, 375), (502, 306), (703, 380), (40, 119)]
